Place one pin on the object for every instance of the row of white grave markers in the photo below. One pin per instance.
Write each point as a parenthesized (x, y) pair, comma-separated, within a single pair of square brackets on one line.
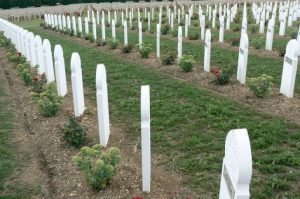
[(237, 164)]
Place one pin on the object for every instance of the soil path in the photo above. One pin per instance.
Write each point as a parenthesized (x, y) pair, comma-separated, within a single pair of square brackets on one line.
[(52, 166)]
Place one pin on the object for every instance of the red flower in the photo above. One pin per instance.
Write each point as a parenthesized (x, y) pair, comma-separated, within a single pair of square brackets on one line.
[(137, 197), (217, 74), (217, 71)]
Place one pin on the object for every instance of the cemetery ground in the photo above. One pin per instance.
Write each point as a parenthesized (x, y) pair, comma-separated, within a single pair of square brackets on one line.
[(189, 124), (37, 163)]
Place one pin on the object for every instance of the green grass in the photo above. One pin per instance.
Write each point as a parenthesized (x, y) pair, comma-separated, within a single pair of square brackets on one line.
[(189, 124)]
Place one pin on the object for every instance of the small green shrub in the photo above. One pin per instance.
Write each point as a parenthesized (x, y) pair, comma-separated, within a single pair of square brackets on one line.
[(165, 29), (236, 27), (186, 63), (26, 76), (260, 86), (101, 42), (145, 50), (43, 24), (253, 29), (222, 77), (79, 34), (113, 43), (74, 133), (99, 166), (90, 37), (168, 58), (144, 28), (133, 27), (294, 35), (281, 51), (71, 33), (174, 32), (235, 42), (48, 101), (38, 83), (193, 36), (257, 43), (127, 48)]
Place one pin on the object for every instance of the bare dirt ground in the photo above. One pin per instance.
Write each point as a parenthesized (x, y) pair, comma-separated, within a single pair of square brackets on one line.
[(274, 104), (51, 166)]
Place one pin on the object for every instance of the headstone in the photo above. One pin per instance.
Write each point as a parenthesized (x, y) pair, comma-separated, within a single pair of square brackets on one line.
[(74, 25), (186, 26), (228, 20), (282, 26), (243, 59), (113, 30), (145, 138), (207, 49), (103, 29), (221, 32), (179, 53), (77, 85), (237, 166), (270, 32), (86, 25), (48, 61), (31, 52), (60, 73), (140, 34), (79, 24), (94, 28), (202, 25), (149, 22), (38, 46), (125, 34), (289, 71), (262, 22), (68, 22), (157, 40), (102, 104), (214, 19)]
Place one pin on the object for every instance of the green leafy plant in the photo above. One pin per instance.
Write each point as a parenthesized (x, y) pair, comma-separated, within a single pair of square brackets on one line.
[(281, 51), (144, 50), (257, 43), (294, 35), (260, 86), (193, 36), (236, 27), (101, 42), (222, 77), (186, 63), (99, 166), (235, 42), (165, 29), (38, 83), (71, 33), (127, 48), (90, 37), (174, 32), (43, 24), (48, 101), (74, 133), (168, 58), (79, 34), (253, 29), (113, 43)]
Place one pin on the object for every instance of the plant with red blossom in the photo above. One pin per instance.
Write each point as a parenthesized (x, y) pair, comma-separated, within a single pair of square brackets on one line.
[(137, 197), (222, 77)]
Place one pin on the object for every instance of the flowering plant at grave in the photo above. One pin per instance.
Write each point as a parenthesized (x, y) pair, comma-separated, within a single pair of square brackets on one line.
[(19, 54), (138, 197), (221, 76), (38, 82), (260, 86)]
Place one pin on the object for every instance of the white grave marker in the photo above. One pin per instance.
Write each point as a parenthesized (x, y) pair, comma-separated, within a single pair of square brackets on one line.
[(243, 59), (145, 138), (102, 104), (48, 61), (237, 166), (290, 68), (60, 73), (77, 85), (179, 53), (207, 49)]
